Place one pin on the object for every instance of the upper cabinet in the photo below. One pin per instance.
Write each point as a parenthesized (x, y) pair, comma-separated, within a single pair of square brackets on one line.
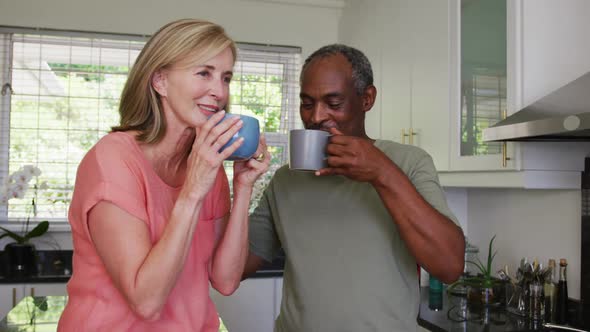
[(478, 83), (410, 57), (447, 69), (506, 55)]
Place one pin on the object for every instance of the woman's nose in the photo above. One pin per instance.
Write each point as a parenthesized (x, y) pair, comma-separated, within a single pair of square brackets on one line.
[(218, 89)]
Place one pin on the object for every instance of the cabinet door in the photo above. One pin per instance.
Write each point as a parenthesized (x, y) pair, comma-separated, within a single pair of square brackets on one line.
[(394, 90), (430, 78), (10, 295), (45, 289), (484, 55), (361, 28), (278, 297), (250, 308)]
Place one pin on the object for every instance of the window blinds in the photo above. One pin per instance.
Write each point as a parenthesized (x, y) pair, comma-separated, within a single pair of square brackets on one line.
[(65, 95)]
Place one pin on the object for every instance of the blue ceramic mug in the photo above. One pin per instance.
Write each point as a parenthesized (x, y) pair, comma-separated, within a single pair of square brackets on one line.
[(250, 131)]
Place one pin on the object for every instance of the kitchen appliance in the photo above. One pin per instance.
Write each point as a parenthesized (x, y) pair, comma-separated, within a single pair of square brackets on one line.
[(563, 115)]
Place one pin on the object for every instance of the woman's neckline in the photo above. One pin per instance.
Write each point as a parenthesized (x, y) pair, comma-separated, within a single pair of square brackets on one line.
[(146, 162)]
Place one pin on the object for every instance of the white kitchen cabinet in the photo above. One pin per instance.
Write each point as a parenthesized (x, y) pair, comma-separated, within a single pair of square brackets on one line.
[(537, 33), (251, 308), (10, 295), (415, 52), (409, 54), (45, 289), (278, 296)]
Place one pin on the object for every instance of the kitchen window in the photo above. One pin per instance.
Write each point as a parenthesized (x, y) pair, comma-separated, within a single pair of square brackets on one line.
[(60, 95)]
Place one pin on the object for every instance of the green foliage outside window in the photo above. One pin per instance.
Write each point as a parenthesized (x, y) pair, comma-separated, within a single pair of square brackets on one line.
[(55, 131)]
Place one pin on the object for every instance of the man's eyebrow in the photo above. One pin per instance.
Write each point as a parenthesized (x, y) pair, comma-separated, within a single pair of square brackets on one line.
[(333, 95)]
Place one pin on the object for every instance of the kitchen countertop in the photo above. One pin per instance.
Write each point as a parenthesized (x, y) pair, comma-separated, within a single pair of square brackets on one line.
[(454, 316), (55, 266), (41, 314)]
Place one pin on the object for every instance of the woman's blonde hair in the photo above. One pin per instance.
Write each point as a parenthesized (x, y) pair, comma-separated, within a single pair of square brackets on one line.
[(141, 107)]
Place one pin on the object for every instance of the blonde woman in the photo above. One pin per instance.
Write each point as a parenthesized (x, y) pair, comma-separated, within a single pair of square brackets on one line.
[(151, 218)]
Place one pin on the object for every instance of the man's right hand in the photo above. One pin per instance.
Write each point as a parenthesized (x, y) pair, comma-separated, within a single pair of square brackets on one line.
[(354, 157)]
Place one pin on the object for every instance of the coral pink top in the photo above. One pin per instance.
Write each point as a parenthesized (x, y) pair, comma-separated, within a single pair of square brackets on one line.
[(116, 170)]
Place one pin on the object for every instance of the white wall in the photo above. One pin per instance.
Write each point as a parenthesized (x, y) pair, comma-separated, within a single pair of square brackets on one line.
[(308, 26), (457, 201), (528, 223)]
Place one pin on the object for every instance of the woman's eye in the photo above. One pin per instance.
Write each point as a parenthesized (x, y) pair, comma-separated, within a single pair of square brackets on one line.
[(203, 73), (227, 79)]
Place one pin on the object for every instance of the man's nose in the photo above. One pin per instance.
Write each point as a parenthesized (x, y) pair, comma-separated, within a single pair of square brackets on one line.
[(318, 114)]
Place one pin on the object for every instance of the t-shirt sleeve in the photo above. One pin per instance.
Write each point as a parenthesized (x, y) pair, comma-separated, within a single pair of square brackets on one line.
[(107, 174), (264, 241), (425, 178)]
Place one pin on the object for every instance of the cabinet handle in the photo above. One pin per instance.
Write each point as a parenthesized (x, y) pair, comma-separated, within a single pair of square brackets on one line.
[(505, 157), (13, 297), (32, 291), (412, 134), (404, 135), (504, 146)]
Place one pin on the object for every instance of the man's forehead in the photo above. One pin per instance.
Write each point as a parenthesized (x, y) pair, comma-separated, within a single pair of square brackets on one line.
[(327, 72)]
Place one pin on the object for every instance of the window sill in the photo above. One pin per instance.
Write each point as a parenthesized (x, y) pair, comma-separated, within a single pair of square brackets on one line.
[(54, 226)]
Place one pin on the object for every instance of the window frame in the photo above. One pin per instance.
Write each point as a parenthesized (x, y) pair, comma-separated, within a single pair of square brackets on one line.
[(289, 100)]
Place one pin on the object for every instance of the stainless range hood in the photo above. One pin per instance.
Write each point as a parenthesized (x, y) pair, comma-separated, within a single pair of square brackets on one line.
[(563, 115)]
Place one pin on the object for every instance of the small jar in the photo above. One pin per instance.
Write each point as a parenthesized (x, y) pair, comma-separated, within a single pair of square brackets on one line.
[(471, 253)]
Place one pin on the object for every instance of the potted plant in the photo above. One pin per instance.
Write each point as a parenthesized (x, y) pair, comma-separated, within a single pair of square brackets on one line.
[(482, 288), (20, 254)]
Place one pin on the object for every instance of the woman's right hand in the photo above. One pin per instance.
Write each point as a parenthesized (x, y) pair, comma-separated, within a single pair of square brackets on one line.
[(205, 159)]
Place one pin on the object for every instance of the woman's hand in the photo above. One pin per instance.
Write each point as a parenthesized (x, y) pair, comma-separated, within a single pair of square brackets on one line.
[(248, 171), (205, 159)]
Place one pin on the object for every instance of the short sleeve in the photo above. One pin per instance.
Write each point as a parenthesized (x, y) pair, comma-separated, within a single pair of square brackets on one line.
[(107, 173), (264, 241), (425, 178)]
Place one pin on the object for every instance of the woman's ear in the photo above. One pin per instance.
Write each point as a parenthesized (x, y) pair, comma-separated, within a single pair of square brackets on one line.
[(159, 82)]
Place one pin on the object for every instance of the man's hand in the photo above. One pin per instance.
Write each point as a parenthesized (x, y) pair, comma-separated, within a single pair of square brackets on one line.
[(354, 157)]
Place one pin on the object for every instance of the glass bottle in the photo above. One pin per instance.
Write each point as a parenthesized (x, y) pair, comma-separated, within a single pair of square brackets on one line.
[(550, 288), (562, 297)]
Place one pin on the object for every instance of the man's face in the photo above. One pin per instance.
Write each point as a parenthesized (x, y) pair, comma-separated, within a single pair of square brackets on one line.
[(329, 99)]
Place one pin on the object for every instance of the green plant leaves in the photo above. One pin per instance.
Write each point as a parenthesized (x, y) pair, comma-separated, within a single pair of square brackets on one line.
[(13, 235), (39, 230)]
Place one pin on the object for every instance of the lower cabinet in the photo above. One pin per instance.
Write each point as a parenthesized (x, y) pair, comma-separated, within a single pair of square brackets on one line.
[(12, 294), (45, 289), (253, 307)]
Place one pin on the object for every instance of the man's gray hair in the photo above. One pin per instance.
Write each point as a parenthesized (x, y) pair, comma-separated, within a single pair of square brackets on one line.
[(362, 74)]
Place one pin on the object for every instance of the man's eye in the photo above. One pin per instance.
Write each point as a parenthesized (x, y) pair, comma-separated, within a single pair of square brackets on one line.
[(306, 105), (335, 106), (227, 79)]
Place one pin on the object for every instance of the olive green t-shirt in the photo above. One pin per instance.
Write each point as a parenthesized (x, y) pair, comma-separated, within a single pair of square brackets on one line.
[(346, 269)]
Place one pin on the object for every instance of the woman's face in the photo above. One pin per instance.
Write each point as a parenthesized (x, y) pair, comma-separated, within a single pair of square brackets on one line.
[(191, 93)]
